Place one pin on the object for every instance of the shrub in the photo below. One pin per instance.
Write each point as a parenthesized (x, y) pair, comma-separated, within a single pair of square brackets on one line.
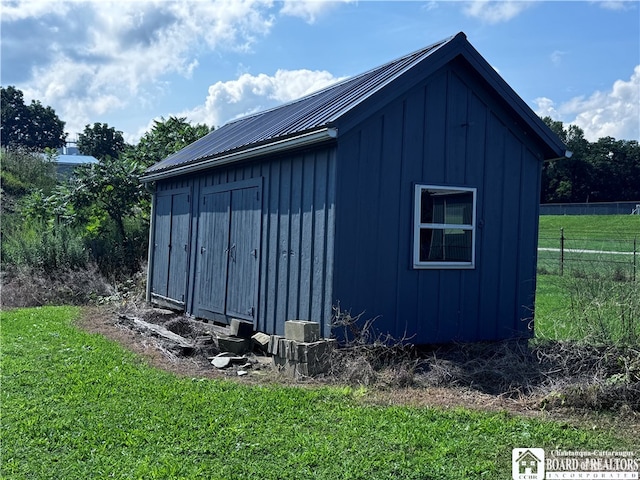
[(117, 257)]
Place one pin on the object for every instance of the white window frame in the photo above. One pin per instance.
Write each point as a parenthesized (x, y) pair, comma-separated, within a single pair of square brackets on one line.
[(418, 226)]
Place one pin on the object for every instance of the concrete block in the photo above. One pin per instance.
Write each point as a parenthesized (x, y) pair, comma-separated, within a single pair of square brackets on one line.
[(314, 351), (236, 345), (261, 340), (281, 364), (298, 369), (286, 349), (274, 343), (240, 328), (302, 331)]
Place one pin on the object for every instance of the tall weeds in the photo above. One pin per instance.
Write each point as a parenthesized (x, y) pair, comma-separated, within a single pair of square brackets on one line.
[(605, 308), (44, 247)]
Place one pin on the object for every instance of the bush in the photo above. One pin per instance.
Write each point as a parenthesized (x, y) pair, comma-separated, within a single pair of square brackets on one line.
[(119, 258)]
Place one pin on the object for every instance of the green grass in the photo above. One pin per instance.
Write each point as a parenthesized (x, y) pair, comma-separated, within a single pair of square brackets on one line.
[(592, 232), (77, 406), (596, 299)]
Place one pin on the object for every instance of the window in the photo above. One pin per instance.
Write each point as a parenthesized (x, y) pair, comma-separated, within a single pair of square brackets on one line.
[(444, 227)]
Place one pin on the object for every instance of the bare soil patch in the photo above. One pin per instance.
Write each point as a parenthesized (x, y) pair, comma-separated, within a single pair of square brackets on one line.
[(504, 377)]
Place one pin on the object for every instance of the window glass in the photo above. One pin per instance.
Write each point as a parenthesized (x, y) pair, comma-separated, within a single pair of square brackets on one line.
[(445, 227), (446, 206)]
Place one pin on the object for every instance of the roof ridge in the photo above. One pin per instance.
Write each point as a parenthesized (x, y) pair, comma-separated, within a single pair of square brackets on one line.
[(344, 81)]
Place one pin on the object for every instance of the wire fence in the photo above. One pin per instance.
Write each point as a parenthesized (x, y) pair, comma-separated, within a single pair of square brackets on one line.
[(617, 258)]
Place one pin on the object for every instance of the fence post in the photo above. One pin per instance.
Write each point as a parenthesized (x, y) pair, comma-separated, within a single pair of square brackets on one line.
[(635, 256), (562, 251)]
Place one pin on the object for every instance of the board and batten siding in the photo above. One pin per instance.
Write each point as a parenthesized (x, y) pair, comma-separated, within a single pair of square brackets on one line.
[(296, 228), (447, 130)]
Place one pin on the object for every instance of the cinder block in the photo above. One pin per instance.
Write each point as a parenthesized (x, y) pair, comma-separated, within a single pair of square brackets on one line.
[(313, 352), (240, 328), (261, 340), (297, 369), (302, 331), (236, 345), (274, 343), (286, 349)]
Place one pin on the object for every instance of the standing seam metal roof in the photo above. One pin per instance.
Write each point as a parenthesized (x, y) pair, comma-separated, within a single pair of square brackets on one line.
[(309, 113)]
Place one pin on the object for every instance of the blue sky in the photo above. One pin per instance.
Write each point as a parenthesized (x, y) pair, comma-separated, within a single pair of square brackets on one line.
[(127, 63)]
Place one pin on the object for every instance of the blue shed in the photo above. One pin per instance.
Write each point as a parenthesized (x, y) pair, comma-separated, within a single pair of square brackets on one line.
[(409, 192)]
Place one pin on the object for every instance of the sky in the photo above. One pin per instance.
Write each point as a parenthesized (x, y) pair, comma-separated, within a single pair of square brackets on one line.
[(128, 63)]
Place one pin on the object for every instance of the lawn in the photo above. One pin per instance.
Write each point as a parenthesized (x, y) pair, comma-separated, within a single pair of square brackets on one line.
[(596, 299), (599, 232), (77, 406)]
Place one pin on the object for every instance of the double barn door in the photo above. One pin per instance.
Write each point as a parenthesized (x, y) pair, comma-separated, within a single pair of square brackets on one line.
[(228, 251)]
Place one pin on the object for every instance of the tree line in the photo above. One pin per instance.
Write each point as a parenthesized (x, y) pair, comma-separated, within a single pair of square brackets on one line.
[(607, 170)]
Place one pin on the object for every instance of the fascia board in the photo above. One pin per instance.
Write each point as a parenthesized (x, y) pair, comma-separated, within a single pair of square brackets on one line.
[(303, 140)]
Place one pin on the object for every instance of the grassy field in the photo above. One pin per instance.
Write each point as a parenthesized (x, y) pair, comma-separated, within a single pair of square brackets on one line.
[(77, 406), (596, 298), (599, 229)]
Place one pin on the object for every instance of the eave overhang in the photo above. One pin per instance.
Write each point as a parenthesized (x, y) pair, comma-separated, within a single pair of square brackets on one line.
[(279, 146)]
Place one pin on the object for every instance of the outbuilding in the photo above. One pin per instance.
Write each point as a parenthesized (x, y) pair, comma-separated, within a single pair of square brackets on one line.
[(409, 193)]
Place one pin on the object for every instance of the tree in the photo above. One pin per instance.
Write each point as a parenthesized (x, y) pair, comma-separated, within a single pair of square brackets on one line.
[(567, 179), (101, 141), (616, 167), (167, 137), (108, 187), (31, 126)]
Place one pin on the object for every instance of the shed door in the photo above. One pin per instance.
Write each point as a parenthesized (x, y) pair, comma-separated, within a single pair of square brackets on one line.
[(244, 247), (213, 240), (171, 245), (228, 251)]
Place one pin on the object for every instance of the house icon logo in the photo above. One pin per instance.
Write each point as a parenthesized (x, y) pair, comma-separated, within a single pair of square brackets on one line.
[(527, 463)]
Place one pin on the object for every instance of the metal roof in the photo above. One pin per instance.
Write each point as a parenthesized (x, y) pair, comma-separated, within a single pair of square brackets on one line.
[(312, 112), (310, 119)]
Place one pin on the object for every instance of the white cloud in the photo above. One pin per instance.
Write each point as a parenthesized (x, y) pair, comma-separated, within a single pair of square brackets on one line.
[(248, 93), (617, 4), (545, 107), (89, 58), (556, 56), (19, 10), (309, 10), (493, 12), (614, 113)]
